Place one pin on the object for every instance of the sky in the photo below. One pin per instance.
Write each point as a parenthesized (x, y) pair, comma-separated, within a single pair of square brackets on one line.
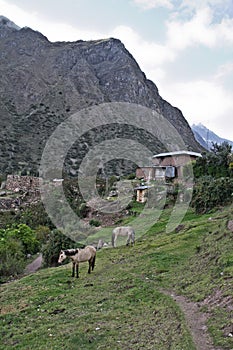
[(184, 46)]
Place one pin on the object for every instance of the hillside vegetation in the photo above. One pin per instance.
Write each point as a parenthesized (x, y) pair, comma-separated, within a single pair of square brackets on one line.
[(127, 303)]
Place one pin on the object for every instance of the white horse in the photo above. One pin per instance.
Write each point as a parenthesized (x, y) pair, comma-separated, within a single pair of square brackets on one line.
[(79, 255), (123, 231)]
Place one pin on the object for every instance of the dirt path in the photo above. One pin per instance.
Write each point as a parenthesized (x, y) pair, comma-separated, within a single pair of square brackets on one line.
[(196, 322), (34, 266)]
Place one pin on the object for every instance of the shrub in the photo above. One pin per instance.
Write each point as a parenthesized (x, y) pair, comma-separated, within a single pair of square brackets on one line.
[(35, 216), (24, 234), (42, 234), (12, 258), (94, 222), (83, 210), (215, 163), (131, 176), (210, 193), (55, 243)]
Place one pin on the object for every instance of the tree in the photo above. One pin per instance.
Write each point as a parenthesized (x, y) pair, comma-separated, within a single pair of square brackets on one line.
[(55, 243), (25, 235), (215, 163), (210, 193), (213, 178), (11, 258), (16, 242)]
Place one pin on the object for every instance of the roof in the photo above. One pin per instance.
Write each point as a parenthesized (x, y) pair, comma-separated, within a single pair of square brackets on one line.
[(177, 153), (143, 187)]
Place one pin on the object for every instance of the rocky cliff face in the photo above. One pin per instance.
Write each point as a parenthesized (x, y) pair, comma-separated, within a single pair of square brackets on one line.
[(43, 83)]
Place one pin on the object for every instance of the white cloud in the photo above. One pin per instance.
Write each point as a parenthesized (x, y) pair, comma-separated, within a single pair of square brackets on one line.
[(148, 54), (149, 4), (199, 30), (224, 71), (202, 101), (196, 31), (54, 31), (225, 31), (192, 5)]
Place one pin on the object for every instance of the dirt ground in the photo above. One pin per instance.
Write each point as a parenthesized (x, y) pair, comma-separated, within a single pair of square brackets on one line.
[(196, 321)]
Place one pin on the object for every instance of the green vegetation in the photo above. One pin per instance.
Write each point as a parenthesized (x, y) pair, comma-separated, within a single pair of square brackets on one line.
[(51, 249), (123, 304), (210, 193), (94, 222), (16, 242), (213, 179), (216, 163)]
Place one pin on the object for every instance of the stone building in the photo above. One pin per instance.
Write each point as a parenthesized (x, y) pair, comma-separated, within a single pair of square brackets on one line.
[(168, 165)]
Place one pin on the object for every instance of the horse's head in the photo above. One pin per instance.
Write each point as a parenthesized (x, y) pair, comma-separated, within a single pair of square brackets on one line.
[(62, 256)]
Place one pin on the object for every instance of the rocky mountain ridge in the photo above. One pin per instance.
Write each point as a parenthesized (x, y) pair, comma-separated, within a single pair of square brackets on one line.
[(43, 83), (206, 137)]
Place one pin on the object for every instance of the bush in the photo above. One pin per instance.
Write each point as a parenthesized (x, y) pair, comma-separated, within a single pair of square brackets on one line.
[(215, 163), (15, 243), (210, 193), (94, 222), (23, 234), (83, 210), (42, 234), (12, 258), (52, 248), (131, 176), (35, 216)]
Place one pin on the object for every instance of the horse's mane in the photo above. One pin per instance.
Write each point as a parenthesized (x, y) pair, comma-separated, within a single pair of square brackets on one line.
[(71, 252)]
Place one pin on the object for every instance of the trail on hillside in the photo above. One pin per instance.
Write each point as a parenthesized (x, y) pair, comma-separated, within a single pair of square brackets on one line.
[(196, 322), (34, 266)]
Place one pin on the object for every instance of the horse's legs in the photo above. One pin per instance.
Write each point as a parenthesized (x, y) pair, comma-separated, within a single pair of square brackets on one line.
[(90, 263), (114, 240), (133, 239), (128, 240), (93, 263), (77, 275), (73, 269)]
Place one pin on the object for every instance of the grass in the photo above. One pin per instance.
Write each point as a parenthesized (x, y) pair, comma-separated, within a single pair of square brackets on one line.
[(121, 305)]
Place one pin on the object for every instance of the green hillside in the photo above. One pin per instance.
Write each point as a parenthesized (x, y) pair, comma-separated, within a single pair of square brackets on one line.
[(128, 302)]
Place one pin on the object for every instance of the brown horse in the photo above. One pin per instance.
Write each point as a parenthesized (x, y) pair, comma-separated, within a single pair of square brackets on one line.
[(79, 255)]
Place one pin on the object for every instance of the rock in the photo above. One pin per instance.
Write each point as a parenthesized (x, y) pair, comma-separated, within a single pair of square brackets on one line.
[(3, 185), (230, 225)]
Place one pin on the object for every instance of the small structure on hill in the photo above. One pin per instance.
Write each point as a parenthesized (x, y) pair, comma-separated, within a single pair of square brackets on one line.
[(166, 166), (141, 193)]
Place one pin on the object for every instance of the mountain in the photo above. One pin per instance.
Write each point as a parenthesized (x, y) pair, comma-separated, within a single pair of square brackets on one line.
[(207, 137), (7, 25), (43, 83)]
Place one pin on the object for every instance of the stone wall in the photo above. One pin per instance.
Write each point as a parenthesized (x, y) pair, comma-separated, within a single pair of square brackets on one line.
[(17, 183)]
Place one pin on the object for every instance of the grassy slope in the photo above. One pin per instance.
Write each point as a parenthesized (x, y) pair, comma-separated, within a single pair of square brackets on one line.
[(121, 304)]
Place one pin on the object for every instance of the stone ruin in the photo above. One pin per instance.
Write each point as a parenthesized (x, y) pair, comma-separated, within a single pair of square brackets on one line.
[(17, 183), (19, 190)]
